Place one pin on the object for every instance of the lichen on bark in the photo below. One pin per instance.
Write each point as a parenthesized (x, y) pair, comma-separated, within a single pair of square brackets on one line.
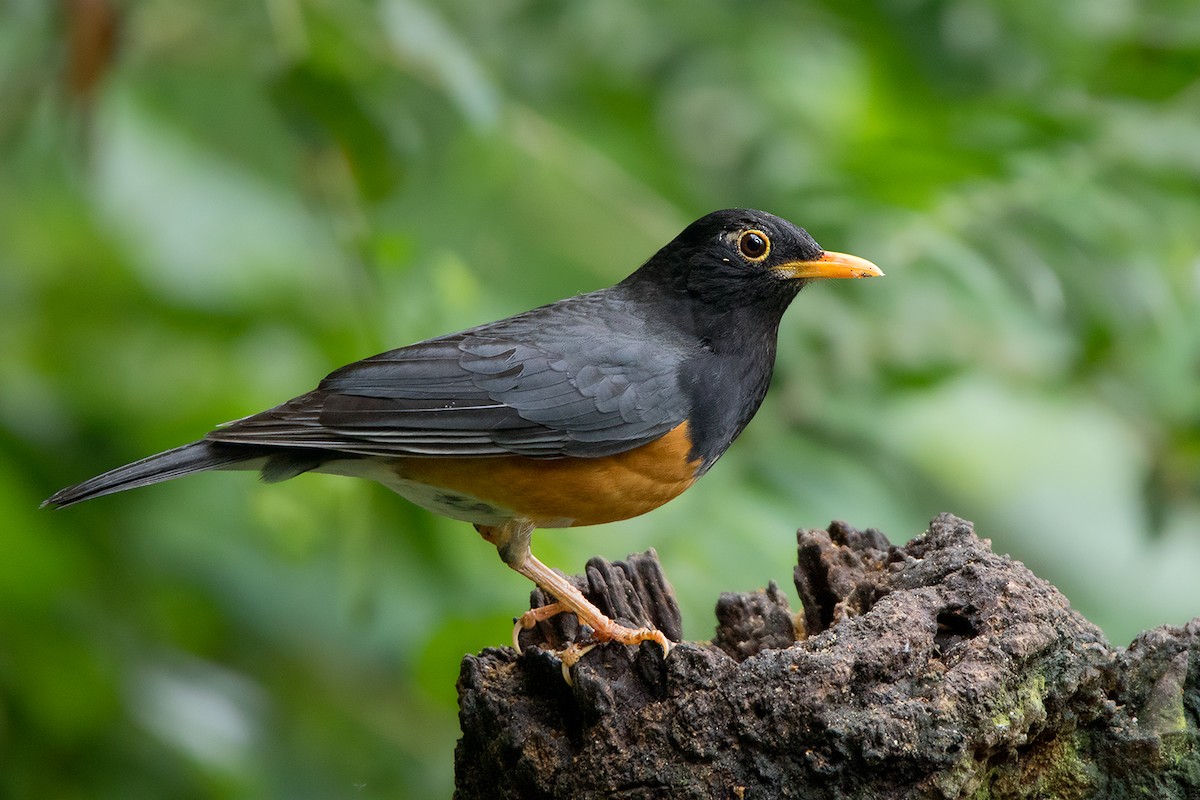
[(937, 669)]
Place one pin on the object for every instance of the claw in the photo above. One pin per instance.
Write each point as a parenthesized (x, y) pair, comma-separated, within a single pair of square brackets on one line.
[(570, 657), (531, 618), (660, 639), (634, 637)]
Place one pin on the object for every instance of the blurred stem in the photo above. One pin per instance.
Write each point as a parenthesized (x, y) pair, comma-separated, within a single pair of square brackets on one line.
[(332, 177), (287, 20), (338, 193)]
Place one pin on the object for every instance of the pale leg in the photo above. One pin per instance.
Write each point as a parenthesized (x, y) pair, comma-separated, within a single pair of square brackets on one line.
[(512, 541)]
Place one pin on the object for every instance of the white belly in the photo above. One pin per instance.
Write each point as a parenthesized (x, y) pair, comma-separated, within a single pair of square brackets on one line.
[(440, 501)]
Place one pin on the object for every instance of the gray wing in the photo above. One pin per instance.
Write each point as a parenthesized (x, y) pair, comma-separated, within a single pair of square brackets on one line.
[(584, 377)]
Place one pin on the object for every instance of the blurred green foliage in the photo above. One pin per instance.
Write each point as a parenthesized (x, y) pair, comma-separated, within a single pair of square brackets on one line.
[(205, 207)]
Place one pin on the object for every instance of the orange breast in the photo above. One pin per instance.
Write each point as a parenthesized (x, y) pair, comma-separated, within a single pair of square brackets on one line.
[(568, 491)]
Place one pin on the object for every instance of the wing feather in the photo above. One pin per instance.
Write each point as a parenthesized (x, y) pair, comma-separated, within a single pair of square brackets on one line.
[(557, 381)]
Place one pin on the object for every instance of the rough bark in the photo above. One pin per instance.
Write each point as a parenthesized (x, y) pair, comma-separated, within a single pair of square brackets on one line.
[(937, 669)]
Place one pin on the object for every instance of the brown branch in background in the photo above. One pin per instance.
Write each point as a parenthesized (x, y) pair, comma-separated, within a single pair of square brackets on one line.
[(91, 33)]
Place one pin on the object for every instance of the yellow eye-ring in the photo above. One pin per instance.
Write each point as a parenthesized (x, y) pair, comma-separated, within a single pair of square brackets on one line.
[(754, 245)]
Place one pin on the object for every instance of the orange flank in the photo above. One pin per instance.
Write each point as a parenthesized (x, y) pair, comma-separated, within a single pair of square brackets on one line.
[(567, 491)]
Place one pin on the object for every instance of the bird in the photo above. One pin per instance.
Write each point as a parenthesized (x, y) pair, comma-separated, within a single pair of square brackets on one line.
[(593, 409)]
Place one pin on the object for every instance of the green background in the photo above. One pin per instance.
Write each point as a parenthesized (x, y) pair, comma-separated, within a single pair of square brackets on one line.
[(235, 198)]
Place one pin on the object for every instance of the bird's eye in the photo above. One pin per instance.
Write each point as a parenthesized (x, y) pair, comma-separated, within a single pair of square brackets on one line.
[(754, 245)]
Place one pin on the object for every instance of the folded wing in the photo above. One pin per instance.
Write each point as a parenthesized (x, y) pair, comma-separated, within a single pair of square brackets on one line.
[(577, 378)]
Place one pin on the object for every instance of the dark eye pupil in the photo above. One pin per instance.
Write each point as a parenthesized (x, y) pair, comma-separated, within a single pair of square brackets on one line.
[(753, 245)]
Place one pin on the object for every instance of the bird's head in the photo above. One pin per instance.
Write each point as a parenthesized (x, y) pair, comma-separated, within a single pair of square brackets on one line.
[(742, 257)]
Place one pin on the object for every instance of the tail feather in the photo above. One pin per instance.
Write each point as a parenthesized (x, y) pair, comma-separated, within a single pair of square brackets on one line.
[(195, 457)]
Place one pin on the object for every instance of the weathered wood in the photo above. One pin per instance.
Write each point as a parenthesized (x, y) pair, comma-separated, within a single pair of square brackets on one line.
[(937, 669)]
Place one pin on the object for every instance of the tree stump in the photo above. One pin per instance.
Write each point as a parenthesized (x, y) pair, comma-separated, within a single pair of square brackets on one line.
[(934, 670)]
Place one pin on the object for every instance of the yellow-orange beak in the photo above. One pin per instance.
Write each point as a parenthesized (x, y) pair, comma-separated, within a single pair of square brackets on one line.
[(830, 265)]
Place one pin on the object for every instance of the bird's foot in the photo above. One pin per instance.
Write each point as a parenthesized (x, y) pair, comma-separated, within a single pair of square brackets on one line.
[(513, 544), (603, 629), (570, 657), (609, 631), (531, 618)]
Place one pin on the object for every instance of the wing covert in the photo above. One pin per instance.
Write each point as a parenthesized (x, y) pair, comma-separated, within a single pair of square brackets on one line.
[(557, 381)]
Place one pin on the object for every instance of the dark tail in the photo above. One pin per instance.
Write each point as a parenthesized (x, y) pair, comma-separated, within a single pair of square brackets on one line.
[(195, 457)]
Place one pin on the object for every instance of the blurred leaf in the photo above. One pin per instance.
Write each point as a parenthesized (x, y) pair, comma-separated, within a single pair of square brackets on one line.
[(324, 111), (273, 189)]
